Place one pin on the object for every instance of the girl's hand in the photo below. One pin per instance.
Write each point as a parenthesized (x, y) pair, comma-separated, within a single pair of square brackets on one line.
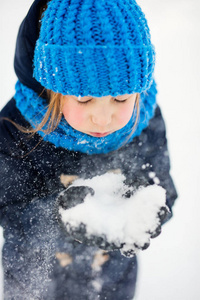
[(107, 214)]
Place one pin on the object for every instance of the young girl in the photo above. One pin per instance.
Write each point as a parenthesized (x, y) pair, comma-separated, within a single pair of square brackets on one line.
[(85, 105)]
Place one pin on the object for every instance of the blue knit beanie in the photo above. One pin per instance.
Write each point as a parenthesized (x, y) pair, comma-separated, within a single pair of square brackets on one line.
[(94, 47)]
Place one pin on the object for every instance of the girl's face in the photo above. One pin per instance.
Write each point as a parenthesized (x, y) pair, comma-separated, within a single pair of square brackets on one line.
[(98, 117)]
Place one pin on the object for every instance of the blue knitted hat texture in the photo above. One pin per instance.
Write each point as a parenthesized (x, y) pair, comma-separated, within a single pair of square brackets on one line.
[(34, 108), (94, 47)]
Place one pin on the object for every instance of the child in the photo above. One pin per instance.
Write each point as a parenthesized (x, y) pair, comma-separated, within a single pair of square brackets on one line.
[(85, 105)]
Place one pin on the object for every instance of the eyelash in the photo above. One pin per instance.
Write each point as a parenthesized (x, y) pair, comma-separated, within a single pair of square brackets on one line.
[(118, 101)]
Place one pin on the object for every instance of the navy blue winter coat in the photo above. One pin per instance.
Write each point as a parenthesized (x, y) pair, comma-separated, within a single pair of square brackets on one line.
[(40, 260)]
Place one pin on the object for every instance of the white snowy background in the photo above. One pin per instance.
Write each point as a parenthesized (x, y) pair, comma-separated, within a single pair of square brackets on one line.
[(170, 267)]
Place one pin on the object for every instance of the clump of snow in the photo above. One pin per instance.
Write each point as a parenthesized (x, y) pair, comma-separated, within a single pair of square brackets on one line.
[(145, 166), (152, 175), (109, 213), (82, 142)]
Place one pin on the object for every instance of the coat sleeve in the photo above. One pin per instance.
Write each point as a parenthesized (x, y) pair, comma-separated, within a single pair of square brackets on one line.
[(33, 233), (25, 203), (157, 155), (151, 164)]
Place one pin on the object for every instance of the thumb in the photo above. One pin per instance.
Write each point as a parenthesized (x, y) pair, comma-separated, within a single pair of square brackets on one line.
[(73, 196)]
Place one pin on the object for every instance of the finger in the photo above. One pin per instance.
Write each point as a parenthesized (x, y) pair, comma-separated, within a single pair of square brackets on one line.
[(156, 232), (145, 246), (74, 195), (164, 213), (128, 253)]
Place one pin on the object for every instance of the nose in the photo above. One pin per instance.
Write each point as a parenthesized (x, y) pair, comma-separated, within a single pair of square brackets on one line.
[(102, 117)]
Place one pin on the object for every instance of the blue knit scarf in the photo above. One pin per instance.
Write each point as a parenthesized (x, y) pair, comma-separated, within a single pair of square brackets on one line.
[(33, 108)]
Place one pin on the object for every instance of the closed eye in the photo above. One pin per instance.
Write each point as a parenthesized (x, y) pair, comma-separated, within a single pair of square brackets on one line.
[(120, 101), (116, 100), (84, 102)]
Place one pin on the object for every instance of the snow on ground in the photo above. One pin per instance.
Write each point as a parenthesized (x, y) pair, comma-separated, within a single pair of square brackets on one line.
[(169, 268)]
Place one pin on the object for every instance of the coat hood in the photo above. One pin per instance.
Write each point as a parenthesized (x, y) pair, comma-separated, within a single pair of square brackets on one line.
[(25, 45)]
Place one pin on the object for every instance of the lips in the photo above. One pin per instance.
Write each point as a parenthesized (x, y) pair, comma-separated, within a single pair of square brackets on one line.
[(99, 134)]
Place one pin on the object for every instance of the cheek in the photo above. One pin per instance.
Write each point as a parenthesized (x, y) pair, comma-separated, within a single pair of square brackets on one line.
[(125, 114), (74, 115)]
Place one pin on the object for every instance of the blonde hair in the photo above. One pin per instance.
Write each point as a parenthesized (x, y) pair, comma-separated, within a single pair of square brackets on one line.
[(52, 117)]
